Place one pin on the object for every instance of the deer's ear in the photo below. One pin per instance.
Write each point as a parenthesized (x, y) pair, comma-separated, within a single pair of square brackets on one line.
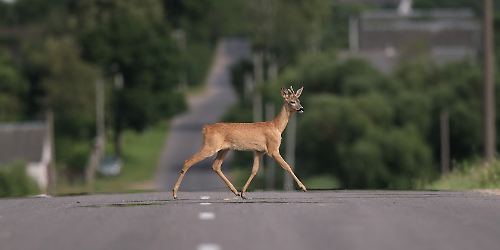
[(284, 92), (299, 92)]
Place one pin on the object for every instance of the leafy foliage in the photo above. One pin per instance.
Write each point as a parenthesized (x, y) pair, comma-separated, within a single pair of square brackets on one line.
[(13, 89), (15, 182), (378, 131), (69, 88), (374, 130), (62, 47), (130, 38), (471, 174), (286, 28)]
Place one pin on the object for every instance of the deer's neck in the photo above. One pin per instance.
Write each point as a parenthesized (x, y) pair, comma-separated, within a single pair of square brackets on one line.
[(281, 119)]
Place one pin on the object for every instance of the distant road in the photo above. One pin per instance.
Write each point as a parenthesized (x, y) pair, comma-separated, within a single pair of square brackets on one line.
[(184, 138), (269, 220)]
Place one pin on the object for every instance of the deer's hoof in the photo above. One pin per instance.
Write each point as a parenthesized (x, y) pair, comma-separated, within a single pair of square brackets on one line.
[(243, 196), (304, 189)]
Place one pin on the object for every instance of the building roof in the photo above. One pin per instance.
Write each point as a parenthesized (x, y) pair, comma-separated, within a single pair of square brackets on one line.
[(438, 28), (381, 36), (379, 3), (21, 141)]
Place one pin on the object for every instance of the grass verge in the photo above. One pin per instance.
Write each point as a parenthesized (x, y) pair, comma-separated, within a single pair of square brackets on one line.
[(322, 182), (470, 175), (141, 152)]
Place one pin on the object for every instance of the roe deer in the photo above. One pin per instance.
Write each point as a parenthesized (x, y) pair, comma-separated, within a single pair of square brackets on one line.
[(260, 137)]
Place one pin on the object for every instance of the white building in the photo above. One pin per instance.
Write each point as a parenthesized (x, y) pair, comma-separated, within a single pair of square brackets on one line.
[(30, 142)]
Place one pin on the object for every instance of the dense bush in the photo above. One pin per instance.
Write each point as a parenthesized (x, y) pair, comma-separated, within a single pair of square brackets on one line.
[(367, 129), (15, 182), (371, 130), (238, 73), (471, 174), (353, 139), (13, 89)]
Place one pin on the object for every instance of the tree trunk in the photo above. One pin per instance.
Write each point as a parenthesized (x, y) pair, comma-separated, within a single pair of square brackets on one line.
[(489, 80), (118, 143)]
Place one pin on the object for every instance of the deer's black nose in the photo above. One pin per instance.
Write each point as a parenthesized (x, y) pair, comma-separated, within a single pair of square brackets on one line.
[(301, 110)]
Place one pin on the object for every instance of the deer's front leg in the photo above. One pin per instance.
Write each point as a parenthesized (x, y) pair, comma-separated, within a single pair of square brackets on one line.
[(255, 169), (284, 165)]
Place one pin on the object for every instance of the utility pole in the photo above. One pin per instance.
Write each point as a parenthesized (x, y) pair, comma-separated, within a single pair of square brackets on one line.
[(291, 132), (180, 36), (489, 80), (258, 80), (270, 166), (445, 142), (100, 116), (249, 85), (98, 151), (51, 175), (118, 82), (257, 96), (353, 34), (270, 111)]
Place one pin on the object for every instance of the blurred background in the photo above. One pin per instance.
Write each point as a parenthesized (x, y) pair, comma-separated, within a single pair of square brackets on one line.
[(110, 96)]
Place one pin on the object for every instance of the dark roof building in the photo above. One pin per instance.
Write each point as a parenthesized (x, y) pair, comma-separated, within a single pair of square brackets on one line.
[(32, 143), (377, 3), (380, 36), (439, 28), (21, 141)]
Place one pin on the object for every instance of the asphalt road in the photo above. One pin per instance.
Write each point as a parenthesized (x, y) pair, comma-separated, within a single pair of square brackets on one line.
[(184, 137), (268, 220)]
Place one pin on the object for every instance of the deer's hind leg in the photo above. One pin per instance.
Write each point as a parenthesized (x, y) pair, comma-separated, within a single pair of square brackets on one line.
[(217, 169), (255, 169), (202, 154)]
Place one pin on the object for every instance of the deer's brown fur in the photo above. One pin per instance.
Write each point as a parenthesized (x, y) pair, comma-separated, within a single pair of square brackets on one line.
[(260, 137)]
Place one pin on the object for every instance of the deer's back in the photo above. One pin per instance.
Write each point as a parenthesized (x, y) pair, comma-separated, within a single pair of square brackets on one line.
[(242, 136)]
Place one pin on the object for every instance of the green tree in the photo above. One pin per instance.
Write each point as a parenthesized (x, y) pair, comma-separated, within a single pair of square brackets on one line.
[(355, 140), (68, 86), (15, 182), (285, 29), (13, 90), (363, 133), (130, 38), (336, 32)]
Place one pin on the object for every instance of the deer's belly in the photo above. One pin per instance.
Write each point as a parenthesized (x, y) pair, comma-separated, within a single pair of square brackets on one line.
[(248, 146)]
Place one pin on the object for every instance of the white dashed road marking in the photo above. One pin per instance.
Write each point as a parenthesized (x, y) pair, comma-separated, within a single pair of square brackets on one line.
[(208, 246), (206, 216)]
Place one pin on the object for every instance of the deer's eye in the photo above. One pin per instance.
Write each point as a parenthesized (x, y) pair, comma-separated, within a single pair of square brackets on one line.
[(292, 102)]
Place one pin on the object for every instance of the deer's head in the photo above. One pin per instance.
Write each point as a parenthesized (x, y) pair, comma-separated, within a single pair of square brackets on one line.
[(292, 99)]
